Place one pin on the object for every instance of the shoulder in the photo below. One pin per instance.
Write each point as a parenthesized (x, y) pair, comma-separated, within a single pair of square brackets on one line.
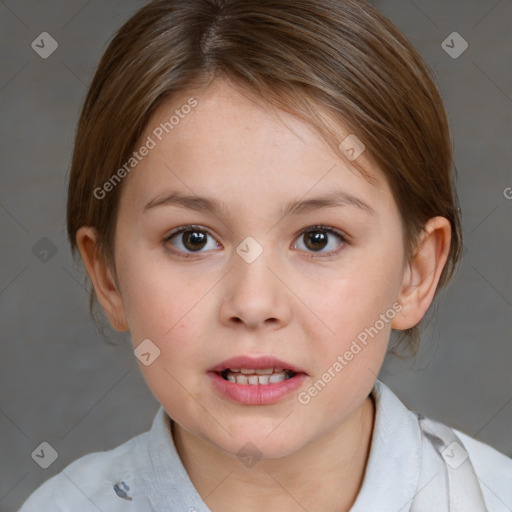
[(397, 427), (87, 483), (493, 469)]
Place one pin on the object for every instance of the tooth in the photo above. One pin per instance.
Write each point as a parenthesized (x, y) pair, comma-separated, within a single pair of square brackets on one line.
[(247, 371), (278, 370), (264, 371), (277, 377), (258, 378), (234, 369)]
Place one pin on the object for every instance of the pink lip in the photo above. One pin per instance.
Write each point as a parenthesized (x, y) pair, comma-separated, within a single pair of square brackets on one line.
[(255, 363), (259, 394)]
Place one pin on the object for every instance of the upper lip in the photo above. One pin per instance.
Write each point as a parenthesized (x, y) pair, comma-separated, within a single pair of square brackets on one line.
[(255, 363)]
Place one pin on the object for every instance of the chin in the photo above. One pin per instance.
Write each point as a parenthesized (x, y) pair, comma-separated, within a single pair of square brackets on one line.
[(256, 443)]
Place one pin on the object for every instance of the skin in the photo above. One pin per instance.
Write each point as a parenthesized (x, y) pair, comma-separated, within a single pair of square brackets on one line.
[(289, 303)]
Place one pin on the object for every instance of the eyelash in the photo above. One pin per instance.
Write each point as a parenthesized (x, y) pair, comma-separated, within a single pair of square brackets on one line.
[(191, 227)]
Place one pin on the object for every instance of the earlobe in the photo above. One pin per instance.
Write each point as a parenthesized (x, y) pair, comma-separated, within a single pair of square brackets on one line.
[(102, 277), (421, 275)]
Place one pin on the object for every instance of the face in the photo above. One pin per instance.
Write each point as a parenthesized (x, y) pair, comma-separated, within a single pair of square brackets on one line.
[(246, 280)]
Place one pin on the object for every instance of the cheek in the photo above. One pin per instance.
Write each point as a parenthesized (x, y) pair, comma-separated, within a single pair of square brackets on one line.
[(355, 296), (160, 300), (358, 303), (165, 307), (359, 309), (165, 311)]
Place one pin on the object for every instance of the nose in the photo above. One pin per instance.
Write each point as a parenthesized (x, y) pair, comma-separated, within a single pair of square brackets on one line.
[(255, 293)]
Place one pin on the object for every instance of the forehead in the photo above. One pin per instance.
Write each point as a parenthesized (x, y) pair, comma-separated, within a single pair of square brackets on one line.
[(230, 145)]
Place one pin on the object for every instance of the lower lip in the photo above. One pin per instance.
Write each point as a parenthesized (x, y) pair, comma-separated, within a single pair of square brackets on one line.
[(256, 394)]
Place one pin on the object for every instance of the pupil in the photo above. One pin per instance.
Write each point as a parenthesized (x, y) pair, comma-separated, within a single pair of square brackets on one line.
[(319, 240), (194, 240)]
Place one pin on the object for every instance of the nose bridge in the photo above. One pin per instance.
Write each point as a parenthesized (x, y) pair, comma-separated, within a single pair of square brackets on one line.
[(253, 260), (250, 249), (255, 293)]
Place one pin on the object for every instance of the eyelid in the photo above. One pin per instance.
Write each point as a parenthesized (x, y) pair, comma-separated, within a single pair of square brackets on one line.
[(330, 229), (185, 228)]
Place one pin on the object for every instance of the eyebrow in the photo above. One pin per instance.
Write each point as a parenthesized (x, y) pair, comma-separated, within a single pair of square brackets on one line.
[(206, 204)]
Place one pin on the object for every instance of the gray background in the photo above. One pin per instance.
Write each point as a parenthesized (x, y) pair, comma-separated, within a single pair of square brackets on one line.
[(61, 383)]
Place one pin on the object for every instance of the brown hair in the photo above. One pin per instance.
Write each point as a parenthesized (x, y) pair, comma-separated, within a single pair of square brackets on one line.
[(340, 57)]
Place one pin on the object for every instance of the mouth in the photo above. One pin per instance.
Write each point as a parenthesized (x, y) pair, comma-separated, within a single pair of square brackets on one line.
[(256, 377), (256, 380)]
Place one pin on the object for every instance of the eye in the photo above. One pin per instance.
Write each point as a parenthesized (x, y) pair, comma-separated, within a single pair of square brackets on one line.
[(192, 239), (189, 238), (317, 238)]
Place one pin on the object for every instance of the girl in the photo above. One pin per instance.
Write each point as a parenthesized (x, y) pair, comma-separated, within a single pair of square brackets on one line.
[(261, 191)]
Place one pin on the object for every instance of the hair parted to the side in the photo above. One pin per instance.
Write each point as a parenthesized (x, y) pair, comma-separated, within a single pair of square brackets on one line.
[(309, 58)]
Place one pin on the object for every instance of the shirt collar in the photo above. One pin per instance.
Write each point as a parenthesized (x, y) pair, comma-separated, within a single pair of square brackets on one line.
[(393, 467), (392, 471), (170, 486)]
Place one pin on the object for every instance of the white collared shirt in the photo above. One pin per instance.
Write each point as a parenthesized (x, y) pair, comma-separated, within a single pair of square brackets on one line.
[(145, 474)]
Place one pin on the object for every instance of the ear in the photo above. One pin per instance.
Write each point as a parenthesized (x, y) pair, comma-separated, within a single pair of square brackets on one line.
[(422, 274), (101, 277)]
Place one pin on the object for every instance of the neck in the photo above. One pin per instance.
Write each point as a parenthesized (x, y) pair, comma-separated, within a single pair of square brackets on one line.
[(326, 474)]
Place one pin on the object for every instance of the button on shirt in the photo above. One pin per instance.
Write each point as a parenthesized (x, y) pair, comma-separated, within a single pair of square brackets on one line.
[(405, 471)]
